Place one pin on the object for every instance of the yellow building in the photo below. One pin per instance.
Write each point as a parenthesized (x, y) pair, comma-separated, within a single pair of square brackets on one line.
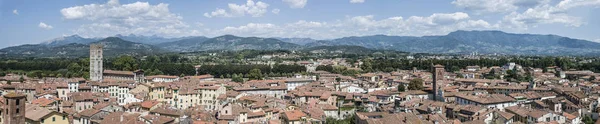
[(38, 115), (157, 92)]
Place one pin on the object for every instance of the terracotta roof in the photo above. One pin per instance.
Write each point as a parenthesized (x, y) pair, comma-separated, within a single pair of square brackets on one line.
[(505, 114), (35, 113), (42, 101), (118, 72), (294, 115), (149, 104), (89, 112), (121, 118), (14, 95), (158, 119), (487, 98), (167, 111)]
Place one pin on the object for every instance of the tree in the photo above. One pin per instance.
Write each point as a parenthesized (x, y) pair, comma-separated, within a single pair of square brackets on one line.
[(587, 120), (401, 88), (367, 65), (21, 79), (74, 67), (416, 84), (255, 74), (545, 70), (592, 78), (237, 78), (125, 63)]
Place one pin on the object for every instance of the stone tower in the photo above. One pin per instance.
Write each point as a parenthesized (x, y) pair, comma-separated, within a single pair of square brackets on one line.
[(15, 108), (96, 62), (438, 82)]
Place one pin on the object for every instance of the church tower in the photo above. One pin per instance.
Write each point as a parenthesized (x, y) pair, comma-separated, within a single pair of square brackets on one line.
[(14, 111), (438, 82), (96, 62)]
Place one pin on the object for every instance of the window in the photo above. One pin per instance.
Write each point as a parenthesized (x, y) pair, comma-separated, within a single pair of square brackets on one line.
[(17, 102), (53, 119), (64, 117), (17, 111)]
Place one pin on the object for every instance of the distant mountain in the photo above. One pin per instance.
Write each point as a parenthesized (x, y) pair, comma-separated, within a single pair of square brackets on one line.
[(113, 46), (68, 40), (299, 41), (228, 42), (458, 42), (461, 42), (118, 46), (183, 45), (152, 40), (339, 49)]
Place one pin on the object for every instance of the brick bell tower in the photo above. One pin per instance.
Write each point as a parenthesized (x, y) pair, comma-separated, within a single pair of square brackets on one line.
[(14, 111), (438, 82)]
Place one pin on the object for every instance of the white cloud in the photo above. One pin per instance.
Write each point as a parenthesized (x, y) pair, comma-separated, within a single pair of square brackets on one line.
[(435, 24), (496, 6), (549, 14), (296, 3), (15, 12), (134, 18), (256, 9), (45, 26), (357, 1), (597, 40), (275, 11)]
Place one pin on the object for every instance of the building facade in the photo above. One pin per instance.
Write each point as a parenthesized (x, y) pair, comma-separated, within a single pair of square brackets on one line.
[(15, 108), (96, 62)]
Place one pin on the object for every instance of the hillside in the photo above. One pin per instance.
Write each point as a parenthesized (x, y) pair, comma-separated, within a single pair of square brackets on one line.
[(462, 42), (230, 42), (112, 47), (183, 45), (458, 42)]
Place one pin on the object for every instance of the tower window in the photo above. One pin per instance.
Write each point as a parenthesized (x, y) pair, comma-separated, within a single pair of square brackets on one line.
[(17, 111), (17, 102)]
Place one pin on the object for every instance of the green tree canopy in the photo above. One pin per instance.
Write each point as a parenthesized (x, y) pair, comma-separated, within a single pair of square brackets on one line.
[(401, 88), (125, 63), (255, 74), (416, 84)]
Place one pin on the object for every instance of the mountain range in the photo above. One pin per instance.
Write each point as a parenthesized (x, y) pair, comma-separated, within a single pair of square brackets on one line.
[(458, 42)]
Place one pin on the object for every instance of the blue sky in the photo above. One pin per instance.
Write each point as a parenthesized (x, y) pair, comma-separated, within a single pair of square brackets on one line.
[(35, 21)]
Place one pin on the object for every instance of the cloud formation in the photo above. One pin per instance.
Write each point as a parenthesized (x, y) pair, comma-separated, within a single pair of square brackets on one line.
[(15, 12), (275, 11), (134, 18), (357, 1), (550, 14), (255, 9), (296, 3), (435, 24), (45, 26), (496, 6)]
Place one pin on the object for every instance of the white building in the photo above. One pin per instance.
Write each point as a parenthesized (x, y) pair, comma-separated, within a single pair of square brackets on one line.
[(162, 78), (73, 86), (292, 83), (499, 101)]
